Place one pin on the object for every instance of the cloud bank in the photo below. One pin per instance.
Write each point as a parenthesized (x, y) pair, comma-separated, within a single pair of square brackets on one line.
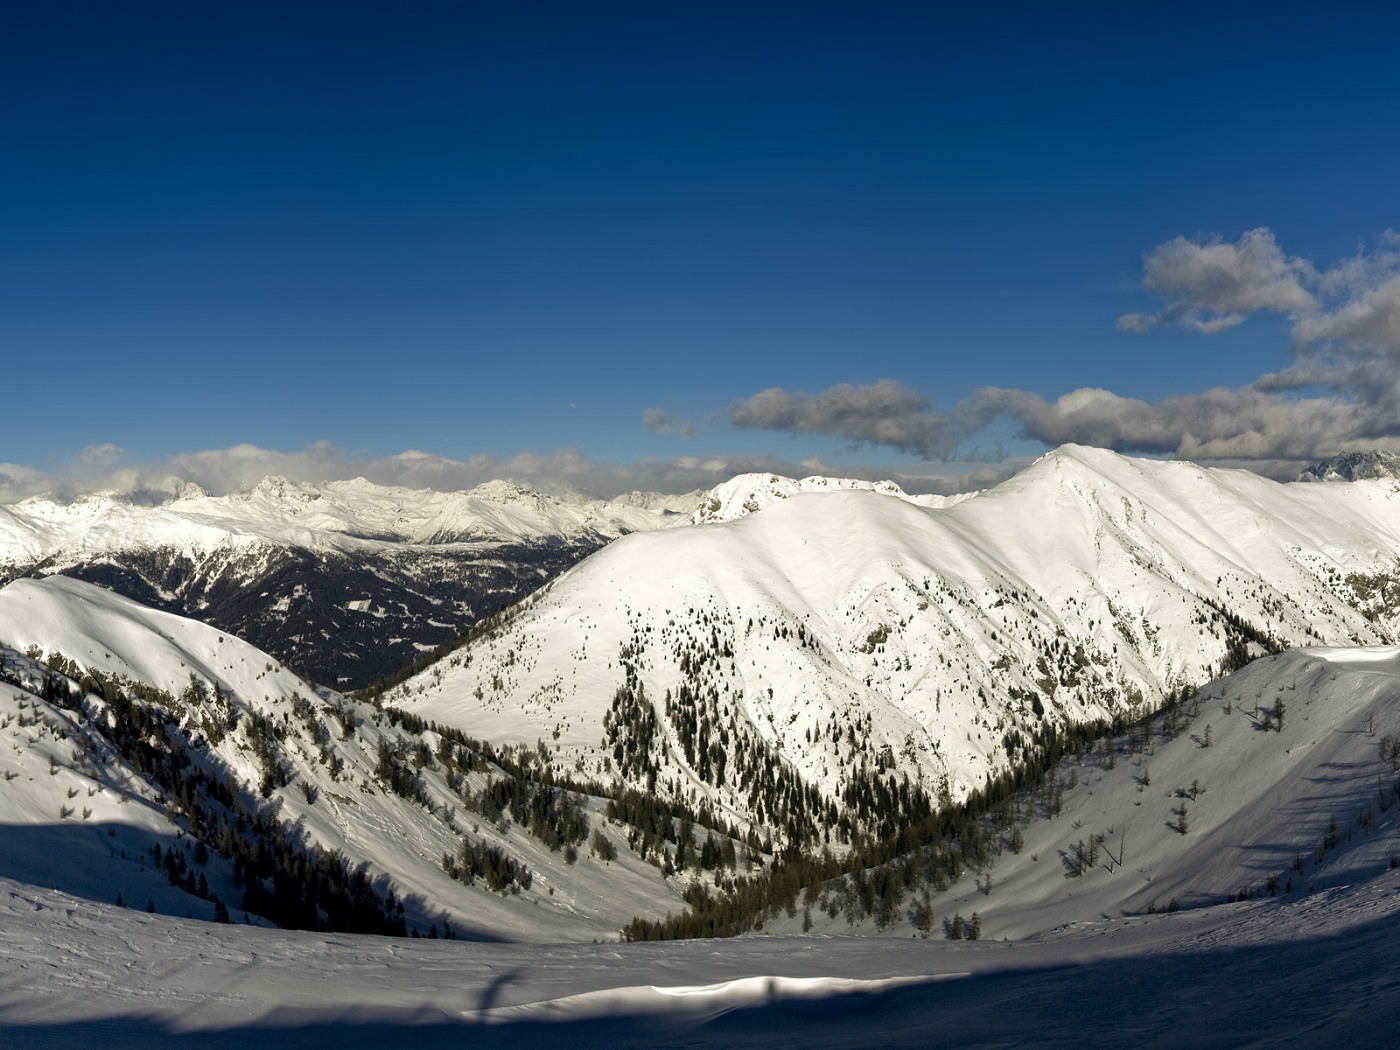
[(1341, 391)]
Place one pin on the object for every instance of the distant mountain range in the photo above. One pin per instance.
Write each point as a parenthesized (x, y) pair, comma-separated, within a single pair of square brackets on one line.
[(346, 581)]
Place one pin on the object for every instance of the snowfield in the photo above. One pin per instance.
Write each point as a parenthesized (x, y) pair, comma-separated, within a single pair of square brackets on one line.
[(1319, 971), (1212, 801)]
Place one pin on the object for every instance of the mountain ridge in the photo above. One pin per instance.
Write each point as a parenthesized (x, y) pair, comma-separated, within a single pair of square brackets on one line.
[(1088, 586)]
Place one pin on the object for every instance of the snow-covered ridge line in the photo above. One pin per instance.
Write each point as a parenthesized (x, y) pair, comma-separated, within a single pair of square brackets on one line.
[(336, 513), (850, 632), (749, 493), (348, 581)]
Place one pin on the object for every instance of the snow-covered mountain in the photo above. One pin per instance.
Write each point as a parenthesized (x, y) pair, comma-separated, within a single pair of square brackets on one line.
[(347, 581), (841, 633), (1263, 800), (747, 493), (1265, 847), (213, 777), (1354, 466)]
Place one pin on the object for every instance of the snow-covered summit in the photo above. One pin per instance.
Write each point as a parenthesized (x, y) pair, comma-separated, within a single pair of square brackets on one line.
[(749, 493)]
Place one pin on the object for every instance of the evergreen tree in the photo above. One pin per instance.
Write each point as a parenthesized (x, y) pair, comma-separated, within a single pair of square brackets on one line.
[(923, 916)]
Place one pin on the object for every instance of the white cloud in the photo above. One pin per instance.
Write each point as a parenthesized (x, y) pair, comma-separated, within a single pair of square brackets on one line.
[(1346, 357), (1211, 286), (881, 413), (103, 455)]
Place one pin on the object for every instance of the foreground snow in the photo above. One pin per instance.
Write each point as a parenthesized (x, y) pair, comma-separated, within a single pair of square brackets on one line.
[(1321, 970)]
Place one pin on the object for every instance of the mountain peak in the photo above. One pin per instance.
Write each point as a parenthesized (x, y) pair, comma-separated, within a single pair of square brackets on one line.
[(748, 493), (1354, 466)]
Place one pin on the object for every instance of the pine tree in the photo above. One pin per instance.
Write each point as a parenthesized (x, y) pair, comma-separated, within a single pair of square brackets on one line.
[(974, 927), (923, 916)]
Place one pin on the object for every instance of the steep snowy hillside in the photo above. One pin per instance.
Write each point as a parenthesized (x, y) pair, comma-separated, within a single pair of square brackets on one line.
[(1279, 780), (776, 663), (347, 581), (209, 772)]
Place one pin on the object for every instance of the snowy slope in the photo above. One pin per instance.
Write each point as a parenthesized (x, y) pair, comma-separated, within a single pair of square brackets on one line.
[(67, 797), (841, 631), (1321, 970), (1314, 804)]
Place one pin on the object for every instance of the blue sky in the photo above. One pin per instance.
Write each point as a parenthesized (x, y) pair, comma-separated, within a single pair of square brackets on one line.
[(499, 229)]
